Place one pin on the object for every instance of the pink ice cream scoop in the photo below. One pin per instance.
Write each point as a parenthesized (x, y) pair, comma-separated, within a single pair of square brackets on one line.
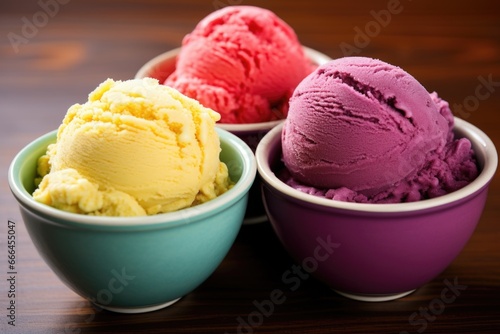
[(360, 129), (242, 61)]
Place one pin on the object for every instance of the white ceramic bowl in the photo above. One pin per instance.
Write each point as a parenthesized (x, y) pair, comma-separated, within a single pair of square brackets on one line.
[(161, 66)]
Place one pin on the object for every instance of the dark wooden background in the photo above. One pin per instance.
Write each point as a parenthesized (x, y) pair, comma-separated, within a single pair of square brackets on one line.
[(450, 46)]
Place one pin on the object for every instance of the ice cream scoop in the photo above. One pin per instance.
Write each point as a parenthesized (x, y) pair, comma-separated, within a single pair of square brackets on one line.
[(361, 126), (135, 147), (242, 61)]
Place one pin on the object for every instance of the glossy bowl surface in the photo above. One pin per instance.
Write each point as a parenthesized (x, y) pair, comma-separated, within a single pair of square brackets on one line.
[(135, 264), (374, 252)]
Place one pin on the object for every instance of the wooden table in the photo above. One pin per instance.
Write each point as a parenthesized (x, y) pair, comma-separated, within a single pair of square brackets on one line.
[(52, 54)]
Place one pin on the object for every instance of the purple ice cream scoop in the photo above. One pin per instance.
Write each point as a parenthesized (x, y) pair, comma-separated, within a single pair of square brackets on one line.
[(362, 130)]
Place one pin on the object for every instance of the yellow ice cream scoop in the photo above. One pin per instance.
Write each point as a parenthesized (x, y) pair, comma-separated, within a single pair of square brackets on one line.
[(141, 147)]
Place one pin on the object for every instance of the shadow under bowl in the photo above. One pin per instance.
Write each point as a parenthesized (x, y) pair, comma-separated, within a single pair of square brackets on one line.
[(374, 252)]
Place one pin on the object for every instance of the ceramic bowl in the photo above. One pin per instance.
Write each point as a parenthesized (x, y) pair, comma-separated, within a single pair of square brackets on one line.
[(374, 252), (135, 264), (161, 66)]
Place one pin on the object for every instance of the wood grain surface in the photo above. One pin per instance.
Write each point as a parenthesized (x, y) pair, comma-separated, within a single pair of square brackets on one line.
[(452, 47)]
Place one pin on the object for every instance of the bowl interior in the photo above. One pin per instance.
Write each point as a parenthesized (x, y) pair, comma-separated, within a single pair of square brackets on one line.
[(161, 66), (28, 160)]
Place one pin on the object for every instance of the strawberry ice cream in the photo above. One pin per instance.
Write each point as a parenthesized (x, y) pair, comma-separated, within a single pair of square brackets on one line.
[(242, 61)]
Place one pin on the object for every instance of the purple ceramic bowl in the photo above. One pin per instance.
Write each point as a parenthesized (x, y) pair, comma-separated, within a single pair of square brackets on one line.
[(374, 252), (161, 66)]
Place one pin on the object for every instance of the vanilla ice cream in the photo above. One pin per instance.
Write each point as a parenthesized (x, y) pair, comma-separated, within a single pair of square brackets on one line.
[(135, 147)]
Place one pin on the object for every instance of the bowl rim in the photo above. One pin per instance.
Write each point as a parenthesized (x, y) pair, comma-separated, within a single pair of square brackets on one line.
[(313, 55), (477, 137), (170, 219), (144, 69)]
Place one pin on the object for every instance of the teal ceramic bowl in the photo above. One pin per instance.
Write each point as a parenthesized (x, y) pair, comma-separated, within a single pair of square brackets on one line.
[(135, 264)]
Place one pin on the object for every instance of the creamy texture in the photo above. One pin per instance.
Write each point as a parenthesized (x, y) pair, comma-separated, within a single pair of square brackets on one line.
[(242, 61), (135, 147), (362, 130)]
